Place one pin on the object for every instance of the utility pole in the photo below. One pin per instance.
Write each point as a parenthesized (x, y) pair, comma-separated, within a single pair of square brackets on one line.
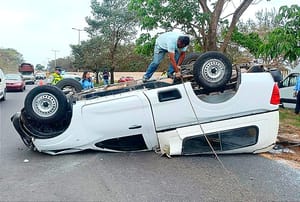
[(55, 57), (79, 30)]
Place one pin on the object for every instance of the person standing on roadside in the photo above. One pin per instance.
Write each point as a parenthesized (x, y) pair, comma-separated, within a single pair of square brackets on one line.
[(105, 77), (173, 43), (86, 81), (56, 76), (297, 95)]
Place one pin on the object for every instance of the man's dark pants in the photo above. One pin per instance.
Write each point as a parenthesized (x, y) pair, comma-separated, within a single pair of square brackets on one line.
[(297, 109)]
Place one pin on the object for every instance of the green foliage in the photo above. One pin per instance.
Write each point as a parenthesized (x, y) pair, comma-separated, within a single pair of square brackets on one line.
[(40, 67), (284, 40), (145, 44), (287, 116), (200, 19), (90, 55), (115, 24), (250, 41), (10, 59), (167, 15)]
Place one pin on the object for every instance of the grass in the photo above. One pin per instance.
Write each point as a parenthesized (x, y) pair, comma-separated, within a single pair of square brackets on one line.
[(287, 116)]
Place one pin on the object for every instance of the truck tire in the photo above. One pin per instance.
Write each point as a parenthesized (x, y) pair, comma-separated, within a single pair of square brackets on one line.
[(190, 58), (69, 84), (212, 70), (46, 104), (276, 74)]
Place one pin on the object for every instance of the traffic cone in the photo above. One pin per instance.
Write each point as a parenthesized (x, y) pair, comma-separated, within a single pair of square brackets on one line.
[(41, 82)]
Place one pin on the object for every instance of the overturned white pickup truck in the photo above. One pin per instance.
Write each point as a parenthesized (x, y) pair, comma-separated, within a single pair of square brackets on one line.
[(212, 108)]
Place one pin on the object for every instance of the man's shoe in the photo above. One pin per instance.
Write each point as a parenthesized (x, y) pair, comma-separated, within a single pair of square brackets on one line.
[(145, 79)]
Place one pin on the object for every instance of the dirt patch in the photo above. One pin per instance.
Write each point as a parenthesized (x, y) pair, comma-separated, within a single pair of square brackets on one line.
[(287, 149)]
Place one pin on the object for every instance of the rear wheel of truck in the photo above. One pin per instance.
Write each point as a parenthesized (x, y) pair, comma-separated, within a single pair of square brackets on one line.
[(69, 85), (212, 70), (190, 58)]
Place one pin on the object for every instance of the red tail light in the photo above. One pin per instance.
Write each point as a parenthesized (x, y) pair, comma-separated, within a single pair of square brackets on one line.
[(275, 98)]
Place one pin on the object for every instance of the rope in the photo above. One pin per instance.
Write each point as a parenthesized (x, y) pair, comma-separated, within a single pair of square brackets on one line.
[(201, 128)]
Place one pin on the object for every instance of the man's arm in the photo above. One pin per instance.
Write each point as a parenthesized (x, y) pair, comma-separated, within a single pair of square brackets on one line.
[(181, 58), (173, 62)]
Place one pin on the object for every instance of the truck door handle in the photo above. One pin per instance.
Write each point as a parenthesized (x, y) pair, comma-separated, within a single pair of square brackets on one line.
[(135, 127)]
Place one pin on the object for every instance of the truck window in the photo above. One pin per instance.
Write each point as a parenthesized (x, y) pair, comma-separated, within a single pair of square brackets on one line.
[(221, 141)]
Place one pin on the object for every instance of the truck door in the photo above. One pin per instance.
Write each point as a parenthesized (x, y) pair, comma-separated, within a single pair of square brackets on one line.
[(286, 87), (122, 122), (171, 107)]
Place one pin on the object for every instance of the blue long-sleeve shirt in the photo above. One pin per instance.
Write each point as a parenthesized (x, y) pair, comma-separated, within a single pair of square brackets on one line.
[(87, 84), (297, 86)]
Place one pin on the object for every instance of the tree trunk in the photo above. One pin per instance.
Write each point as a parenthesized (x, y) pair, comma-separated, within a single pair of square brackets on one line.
[(210, 38), (112, 67), (212, 32), (235, 18)]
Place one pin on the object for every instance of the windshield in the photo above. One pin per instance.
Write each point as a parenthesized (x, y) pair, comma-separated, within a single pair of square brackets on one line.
[(13, 77), (27, 73)]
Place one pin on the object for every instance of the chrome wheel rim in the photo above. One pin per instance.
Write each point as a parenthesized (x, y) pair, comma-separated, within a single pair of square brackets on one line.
[(45, 105), (213, 70)]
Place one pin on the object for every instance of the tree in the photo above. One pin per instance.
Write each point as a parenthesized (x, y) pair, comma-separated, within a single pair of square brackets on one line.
[(10, 59), (284, 40), (194, 17), (91, 55), (114, 23), (40, 67), (274, 36), (65, 63)]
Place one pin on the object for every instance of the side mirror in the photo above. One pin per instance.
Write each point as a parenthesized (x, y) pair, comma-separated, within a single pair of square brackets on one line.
[(0, 79)]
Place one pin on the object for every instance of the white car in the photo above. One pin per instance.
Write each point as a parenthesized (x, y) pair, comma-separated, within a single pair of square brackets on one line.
[(226, 113), (287, 86), (2, 86)]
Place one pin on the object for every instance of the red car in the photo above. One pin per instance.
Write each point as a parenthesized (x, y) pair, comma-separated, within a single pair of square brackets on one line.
[(125, 79), (15, 82)]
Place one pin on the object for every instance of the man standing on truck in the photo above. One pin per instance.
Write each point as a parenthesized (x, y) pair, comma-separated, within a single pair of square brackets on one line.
[(297, 95), (173, 43)]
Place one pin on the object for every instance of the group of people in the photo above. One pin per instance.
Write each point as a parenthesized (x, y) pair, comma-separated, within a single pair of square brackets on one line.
[(86, 80)]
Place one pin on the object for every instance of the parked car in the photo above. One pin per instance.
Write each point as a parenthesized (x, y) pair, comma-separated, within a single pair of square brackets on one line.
[(125, 79), (175, 117), (286, 87), (15, 82), (40, 76), (2, 86)]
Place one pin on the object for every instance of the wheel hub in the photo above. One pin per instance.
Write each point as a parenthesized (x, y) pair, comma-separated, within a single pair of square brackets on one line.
[(45, 104)]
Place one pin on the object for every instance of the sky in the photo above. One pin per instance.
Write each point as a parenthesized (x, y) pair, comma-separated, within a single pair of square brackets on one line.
[(41, 30)]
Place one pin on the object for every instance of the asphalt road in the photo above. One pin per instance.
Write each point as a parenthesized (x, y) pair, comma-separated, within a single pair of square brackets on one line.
[(144, 176)]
